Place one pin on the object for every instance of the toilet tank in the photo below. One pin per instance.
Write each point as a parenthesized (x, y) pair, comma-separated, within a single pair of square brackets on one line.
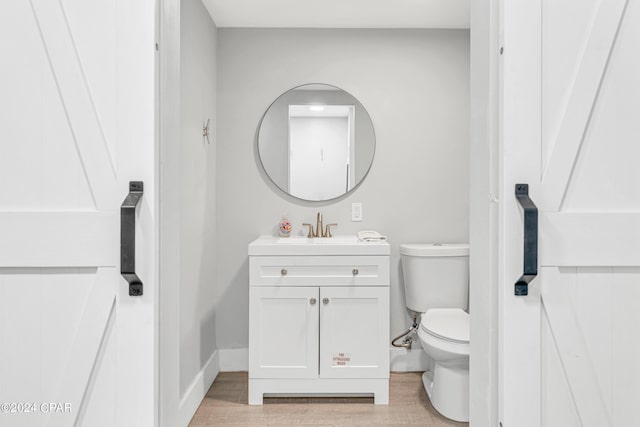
[(435, 275)]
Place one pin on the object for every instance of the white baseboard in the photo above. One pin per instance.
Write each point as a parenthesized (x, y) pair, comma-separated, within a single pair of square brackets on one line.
[(403, 360), (234, 359), (198, 389)]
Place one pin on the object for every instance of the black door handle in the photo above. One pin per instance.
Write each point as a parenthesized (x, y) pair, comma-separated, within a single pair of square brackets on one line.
[(530, 240), (128, 237)]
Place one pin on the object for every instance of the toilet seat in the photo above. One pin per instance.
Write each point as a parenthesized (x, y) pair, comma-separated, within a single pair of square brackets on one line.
[(448, 324)]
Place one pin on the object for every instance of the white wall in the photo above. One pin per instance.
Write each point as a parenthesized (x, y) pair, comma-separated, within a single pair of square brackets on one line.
[(197, 203), (415, 86)]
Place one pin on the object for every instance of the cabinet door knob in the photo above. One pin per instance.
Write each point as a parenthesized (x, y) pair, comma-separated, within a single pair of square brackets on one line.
[(313, 301), (283, 272), (355, 272), (325, 300)]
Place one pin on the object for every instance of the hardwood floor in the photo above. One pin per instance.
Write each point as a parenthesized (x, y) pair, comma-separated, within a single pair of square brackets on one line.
[(226, 405)]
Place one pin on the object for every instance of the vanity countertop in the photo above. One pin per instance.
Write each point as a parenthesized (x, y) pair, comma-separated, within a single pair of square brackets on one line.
[(337, 245)]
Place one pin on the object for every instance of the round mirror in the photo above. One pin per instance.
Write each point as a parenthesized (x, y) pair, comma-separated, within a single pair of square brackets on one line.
[(316, 142)]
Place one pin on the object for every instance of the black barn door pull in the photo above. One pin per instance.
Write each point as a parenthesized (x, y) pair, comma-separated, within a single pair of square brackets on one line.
[(128, 237), (530, 240)]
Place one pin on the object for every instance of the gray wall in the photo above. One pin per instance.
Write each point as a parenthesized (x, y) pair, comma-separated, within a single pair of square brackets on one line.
[(198, 45), (415, 86)]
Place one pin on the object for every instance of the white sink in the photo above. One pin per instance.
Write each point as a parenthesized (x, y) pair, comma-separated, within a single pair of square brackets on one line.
[(294, 240), (298, 245), (335, 240)]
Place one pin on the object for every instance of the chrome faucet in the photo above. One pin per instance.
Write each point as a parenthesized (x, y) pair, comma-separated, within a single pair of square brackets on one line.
[(319, 232)]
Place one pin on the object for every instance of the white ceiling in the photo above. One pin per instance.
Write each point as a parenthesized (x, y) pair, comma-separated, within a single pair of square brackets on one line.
[(339, 13)]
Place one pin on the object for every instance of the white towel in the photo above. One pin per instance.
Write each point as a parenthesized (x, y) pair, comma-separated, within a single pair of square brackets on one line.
[(371, 236), (375, 239)]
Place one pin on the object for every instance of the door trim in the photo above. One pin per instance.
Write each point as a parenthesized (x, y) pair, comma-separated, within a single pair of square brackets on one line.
[(168, 248), (483, 203)]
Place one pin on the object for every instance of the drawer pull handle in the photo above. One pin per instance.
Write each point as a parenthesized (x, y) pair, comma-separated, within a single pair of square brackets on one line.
[(355, 272), (313, 301), (283, 272), (325, 300)]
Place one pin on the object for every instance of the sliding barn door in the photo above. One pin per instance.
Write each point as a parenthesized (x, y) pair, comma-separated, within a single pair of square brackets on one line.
[(571, 130), (76, 125)]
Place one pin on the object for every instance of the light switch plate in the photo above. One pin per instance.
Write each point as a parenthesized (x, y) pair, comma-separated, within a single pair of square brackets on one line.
[(356, 211)]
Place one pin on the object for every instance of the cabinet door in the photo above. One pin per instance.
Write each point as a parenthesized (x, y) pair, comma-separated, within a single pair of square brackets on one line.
[(354, 330), (283, 332)]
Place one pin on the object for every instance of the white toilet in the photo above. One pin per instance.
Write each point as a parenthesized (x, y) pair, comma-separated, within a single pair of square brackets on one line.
[(436, 279)]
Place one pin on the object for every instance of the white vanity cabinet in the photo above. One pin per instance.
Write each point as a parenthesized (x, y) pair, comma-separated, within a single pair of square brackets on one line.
[(283, 332), (318, 318)]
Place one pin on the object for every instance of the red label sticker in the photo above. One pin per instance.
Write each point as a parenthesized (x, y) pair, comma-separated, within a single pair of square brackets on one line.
[(341, 359)]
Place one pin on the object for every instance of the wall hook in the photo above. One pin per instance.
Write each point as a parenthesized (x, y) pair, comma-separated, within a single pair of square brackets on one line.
[(205, 131)]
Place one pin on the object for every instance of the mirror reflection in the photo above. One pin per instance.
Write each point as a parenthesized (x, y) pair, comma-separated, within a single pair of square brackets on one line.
[(316, 142)]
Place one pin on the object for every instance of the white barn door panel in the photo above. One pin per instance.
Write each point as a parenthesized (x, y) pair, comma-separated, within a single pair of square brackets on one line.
[(77, 108), (581, 161)]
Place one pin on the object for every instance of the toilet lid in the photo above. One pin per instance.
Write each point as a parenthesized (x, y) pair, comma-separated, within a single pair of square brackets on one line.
[(435, 249), (450, 324)]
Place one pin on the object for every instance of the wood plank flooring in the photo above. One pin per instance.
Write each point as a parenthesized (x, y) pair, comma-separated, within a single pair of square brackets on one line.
[(226, 405)]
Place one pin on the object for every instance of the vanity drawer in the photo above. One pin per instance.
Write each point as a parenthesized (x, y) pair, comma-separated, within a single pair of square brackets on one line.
[(319, 270)]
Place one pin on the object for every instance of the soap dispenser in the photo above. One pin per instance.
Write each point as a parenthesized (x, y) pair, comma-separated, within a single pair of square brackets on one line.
[(285, 226)]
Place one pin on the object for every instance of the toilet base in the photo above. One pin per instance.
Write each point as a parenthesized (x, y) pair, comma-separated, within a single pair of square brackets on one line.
[(450, 396)]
